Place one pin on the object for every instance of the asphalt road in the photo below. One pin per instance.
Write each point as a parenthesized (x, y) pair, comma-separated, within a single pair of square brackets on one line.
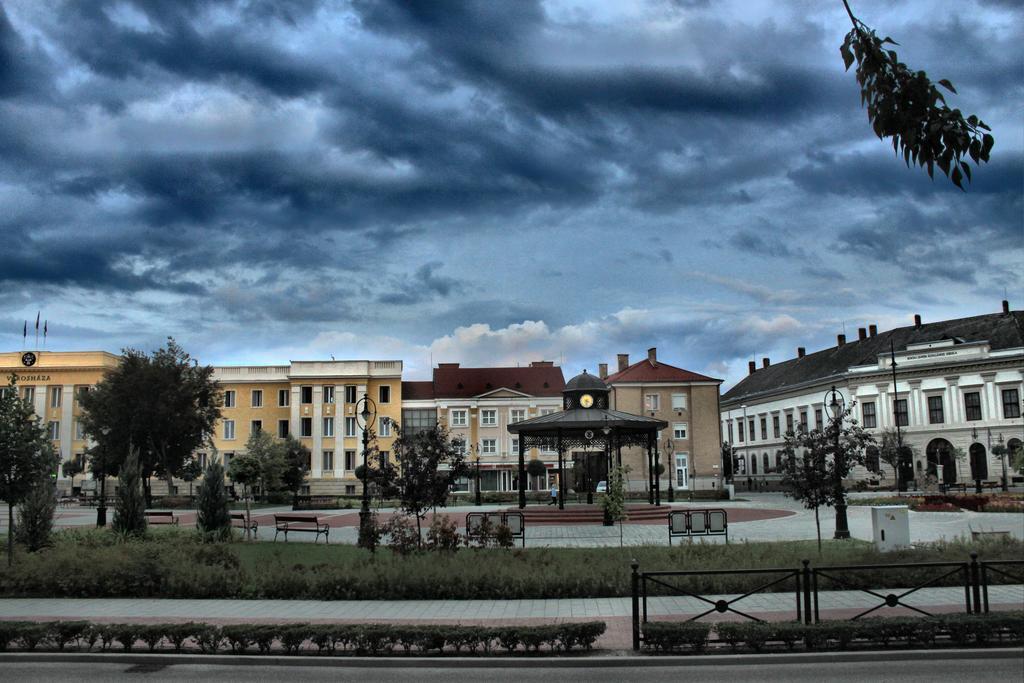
[(973, 670)]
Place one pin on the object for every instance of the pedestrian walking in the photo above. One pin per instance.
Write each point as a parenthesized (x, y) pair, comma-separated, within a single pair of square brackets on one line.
[(554, 494)]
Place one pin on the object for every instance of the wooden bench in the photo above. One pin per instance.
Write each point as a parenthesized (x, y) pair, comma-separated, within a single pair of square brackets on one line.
[(238, 521), (160, 517), (981, 535), (308, 523)]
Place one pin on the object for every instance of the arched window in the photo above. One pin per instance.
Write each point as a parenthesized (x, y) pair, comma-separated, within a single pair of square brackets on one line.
[(979, 461), (767, 467), (753, 463)]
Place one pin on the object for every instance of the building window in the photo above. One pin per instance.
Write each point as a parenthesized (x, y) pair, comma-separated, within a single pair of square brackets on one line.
[(256, 426), (789, 423), (489, 446), (283, 398), (328, 461), (227, 459), (652, 402), (514, 446), (54, 429), (328, 394), (873, 462), (306, 426), (79, 393), (350, 426), (739, 427), (803, 420), (517, 415), (282, 428), (817, 418), (256, 398), (775, 426), (753, 463), (868, 416), (328, 426), (229, 429), (350, 490), (679, 430), (972, 405), (350, 460), (202, 460), (55, 394), (459, 418), (28, 394), (730, 432), (678, 401), (306, 394), (764, 427), (350, 393), (384, 393), (488, 418), (416, 420), (385, 426), (753, 434), (384, 457), (1011, 403), (935, 414), (229, 399), (902, 417), (79, 430)]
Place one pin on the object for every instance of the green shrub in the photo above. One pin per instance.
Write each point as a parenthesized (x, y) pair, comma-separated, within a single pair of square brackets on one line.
[(152, 635), (63, 633), (129, 503), (208, 637), (240, 637), (35, 516), (443, 534), (264, 637), (293, 636), (213, 517), (672, 635), (30, 634), (403, 538), (125, 634), (177, 634)]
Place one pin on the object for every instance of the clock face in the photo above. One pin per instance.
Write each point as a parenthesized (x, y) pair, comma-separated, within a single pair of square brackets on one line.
[(28, 359), (586, 400)]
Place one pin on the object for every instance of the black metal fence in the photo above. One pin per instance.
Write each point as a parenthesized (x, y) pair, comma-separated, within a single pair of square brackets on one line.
[(513, 520), (805, 584)]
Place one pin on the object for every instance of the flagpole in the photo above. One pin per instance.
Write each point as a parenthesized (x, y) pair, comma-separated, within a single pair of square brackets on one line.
[(37, 331)]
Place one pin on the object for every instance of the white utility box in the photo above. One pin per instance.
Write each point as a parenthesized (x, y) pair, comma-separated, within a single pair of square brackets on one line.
[(891, 526)]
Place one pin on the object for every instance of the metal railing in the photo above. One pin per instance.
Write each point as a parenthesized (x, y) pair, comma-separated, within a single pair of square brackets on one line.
[(513, 520), (998, 567)]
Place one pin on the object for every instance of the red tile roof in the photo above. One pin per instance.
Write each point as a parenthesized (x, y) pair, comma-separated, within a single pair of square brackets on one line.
[(645, 371), (451, 381)]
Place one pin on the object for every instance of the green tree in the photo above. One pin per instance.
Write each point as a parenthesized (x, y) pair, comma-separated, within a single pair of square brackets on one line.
[(892, 453), (906, 106), (429, 463), (35, 515), (130, 505), (191, 471), (165, 405), (213, 516), (26, 454), (245, 469), (72, 468), (296, 466), (269, 454), (727, 461), (614, 500)]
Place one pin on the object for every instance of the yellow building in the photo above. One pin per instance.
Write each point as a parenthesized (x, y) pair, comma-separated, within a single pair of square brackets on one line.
[(52, 381)]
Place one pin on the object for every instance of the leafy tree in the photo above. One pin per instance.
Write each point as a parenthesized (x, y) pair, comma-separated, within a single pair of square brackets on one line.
[(191, 471), (815, 478), (130, 506), (381, 477), (270, 457), (165, 405), (35, 515), (892, 453), (1017, 459), (26, 454), (614, 500), (727, 461), (246, 469), (906, 106), (72, 468), (430, 462), (214, 518), (536, 468), (296, 466)]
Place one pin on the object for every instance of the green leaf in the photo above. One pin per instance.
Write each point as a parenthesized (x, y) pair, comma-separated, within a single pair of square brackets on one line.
[(987, 141), (967, 170), (957, 177), (947, 85)]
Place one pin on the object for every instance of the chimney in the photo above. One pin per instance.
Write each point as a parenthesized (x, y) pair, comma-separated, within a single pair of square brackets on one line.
[(602, 370), (752, 366), (447, 365), (801, 352), (840, 339), (652, 356), (862, 333), (1006, 307), (872, 330), (917, 321), (765, 362), (542, 364), (623, 361)]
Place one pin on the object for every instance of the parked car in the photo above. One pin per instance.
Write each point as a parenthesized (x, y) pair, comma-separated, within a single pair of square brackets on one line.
[(602, 487)]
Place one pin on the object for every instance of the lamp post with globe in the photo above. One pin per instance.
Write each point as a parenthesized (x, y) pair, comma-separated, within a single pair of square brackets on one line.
[(366, 412)]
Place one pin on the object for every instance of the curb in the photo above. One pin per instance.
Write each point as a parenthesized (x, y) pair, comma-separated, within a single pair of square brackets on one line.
[(620, 658)]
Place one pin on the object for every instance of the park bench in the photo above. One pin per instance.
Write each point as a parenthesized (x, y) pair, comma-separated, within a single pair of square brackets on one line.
[(946, 488), (160, 517), (690, 523), (307, 523), (238, 521), (513, 520)]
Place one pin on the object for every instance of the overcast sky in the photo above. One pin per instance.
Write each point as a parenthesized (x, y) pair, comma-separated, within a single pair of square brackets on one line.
[(490, 182)]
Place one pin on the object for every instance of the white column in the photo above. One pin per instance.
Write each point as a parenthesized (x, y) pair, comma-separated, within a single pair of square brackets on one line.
[(40, 400), (67, 406), (339, 431), (296, 411), (917, 414), (990, 406), (955, 402), (883, 406), (318, 431)]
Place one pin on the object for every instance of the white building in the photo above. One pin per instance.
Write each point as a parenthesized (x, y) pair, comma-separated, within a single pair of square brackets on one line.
[(958, 386)]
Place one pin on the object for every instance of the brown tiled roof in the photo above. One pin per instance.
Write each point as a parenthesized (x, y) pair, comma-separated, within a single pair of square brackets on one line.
[(646, 371), (451, 381), (412, 391)]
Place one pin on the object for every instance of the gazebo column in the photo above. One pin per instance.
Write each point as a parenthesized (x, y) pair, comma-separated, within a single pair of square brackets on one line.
[(522, 471), (561, 474), (650, 473)]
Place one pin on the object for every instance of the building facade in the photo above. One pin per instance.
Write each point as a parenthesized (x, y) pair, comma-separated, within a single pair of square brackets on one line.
[(691, 449), (957, 390), (477, 405)]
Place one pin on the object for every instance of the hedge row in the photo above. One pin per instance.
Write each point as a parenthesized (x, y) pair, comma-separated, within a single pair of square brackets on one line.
[(358, 639), (953, 629)]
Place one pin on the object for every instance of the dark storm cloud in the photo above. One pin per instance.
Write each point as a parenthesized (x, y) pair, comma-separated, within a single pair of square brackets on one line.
[(422, 285), (23, 70), (763, 243)]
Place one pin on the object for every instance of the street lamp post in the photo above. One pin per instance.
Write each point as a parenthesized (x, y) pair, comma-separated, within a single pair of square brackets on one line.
[(1002, 460), (746, 448), (671, 466), (975, 465), (834, 400), (476, 452), (657, 476), (101, 506), (366, 410)]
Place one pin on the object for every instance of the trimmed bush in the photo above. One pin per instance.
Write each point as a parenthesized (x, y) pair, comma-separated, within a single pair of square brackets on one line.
[(672, 635)]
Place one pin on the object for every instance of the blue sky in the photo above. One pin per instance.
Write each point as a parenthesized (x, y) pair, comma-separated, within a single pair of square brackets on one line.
[(489, 182)]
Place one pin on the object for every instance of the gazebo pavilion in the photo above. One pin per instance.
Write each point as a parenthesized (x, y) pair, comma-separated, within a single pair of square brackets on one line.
[(586, 422)]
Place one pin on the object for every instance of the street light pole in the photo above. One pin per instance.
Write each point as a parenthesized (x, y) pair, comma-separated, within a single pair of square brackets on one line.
[(835, 400), (368, 413), (746, 440), (476, 452), (671, 466)]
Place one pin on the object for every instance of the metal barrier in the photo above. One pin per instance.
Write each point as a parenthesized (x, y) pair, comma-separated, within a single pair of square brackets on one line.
[(513, 520), (986, 567), (690, 523)]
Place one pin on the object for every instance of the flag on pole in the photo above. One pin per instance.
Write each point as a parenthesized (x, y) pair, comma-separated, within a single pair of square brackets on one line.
[(24, 332), (45, 323), (38, 313)]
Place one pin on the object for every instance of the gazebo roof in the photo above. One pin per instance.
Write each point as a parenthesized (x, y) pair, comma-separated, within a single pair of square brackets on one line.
[(582, 419)]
